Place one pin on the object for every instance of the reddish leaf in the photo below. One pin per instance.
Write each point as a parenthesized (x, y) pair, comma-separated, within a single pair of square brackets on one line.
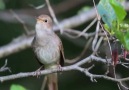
[(115, 56), (125, 53)]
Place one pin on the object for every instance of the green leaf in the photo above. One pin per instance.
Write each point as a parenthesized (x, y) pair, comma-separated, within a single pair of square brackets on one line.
[(111, 10), (113, 14), (2, 5), (126, 38), (84, 9), (108, 29), (119, 10), (17, 87), (106, 12), (123, 36), (124, 26)]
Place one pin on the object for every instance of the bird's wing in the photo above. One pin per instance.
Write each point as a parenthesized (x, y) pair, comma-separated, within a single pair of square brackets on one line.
[(62, 58)]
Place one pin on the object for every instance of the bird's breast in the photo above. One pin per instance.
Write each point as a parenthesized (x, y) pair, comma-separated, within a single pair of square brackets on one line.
[(48, 54)]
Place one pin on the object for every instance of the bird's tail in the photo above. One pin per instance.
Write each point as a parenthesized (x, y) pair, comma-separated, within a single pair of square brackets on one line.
[(52, 81)]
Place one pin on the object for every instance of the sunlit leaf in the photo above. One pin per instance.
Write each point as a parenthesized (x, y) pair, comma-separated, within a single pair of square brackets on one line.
[(126, 37), (106, 12), (108, 29), (2, 5), (124, 26), (119, 10), (17, 87), (113, 14)]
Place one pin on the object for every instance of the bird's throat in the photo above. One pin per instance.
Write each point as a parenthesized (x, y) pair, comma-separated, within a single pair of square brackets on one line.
[(42, 33)]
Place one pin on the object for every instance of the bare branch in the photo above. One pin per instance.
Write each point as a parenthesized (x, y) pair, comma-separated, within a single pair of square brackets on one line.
[(98, 45), (97, 27), (82, 53), (27, 14), (4, 67), (75, 66), (38, 7), (53, 15), (44, 72), (96, 36), (16, 45), (21, 21), (87, 28), (67, 68)]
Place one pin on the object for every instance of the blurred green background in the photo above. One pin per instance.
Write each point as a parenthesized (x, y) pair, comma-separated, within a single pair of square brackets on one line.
[(25, 61)]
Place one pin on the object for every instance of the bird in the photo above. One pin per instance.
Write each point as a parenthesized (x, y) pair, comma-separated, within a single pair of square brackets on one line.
[(48, 48)]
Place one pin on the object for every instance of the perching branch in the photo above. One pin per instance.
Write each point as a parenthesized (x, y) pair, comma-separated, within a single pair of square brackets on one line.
[(67, 68), (76, 66)]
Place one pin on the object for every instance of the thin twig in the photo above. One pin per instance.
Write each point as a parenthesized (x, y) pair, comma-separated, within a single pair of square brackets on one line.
[(98, 17), (21, 21), (82, 53), (37, 7), (96, 36), (4, 67), (110, 48), (53, 15), (87, 28), (97, 27), (97, 45)]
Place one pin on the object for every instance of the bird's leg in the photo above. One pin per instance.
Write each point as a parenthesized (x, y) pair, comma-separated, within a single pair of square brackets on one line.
[(38, 72), (59, 67)]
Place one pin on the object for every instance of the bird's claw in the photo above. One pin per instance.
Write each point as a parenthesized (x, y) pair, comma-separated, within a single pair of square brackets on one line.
[(37, 73), (59, 68)]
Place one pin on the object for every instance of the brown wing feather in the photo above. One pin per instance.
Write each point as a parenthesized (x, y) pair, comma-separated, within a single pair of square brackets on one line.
[(62, 58)]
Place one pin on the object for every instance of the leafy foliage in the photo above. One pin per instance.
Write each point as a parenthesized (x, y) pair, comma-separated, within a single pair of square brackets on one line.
[(106, 12), (113, 14)]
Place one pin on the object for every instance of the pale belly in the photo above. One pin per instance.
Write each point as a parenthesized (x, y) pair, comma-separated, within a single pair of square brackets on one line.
[(48, 54)]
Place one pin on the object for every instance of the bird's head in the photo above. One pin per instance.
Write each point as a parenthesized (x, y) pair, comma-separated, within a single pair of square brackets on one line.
[(44, 22)]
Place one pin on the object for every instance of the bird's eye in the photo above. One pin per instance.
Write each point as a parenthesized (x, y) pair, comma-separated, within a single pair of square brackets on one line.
[(45, 20)]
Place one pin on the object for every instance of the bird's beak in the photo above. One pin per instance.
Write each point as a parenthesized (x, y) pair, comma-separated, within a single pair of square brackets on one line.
[(39, 20)]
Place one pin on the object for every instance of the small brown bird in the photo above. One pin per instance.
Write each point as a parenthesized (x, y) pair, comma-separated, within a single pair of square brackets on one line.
[(48, 48)]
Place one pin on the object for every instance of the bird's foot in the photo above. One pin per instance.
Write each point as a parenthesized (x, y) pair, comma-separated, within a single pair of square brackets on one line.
[(37, 73), (59, 68)]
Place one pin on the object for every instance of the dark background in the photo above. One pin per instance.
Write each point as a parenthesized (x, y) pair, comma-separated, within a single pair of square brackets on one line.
[(24, 61)]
